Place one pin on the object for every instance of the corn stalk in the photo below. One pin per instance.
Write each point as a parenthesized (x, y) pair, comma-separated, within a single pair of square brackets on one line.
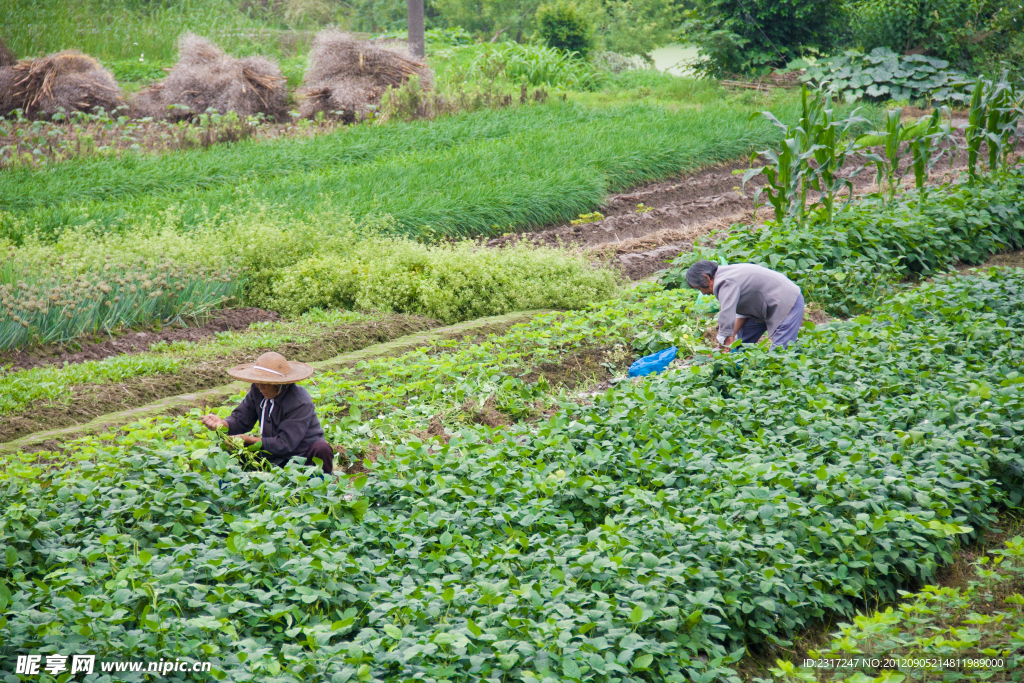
[(927, 148), (818, 137), (994, 113)]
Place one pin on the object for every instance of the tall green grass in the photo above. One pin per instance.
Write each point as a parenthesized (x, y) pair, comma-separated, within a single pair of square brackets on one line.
[(130, 29), (477, 174), (535, 65)]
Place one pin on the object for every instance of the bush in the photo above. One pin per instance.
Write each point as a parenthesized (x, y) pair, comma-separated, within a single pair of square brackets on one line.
[(333, 261), (960, 31), (450, 283), (534, 65), (563, 25), (751, 36)]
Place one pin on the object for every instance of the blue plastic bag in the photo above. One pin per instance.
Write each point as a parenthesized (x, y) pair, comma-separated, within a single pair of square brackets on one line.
[(656, 362)]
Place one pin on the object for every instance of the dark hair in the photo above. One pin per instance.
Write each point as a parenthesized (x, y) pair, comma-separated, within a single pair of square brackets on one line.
[(695, 276)]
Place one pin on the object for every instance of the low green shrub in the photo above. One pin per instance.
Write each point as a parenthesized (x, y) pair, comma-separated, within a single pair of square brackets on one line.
[(522, 63), (850, 263), (331, 260), (450, 283)]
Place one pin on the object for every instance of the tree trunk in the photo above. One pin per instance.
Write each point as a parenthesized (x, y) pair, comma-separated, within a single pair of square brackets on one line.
[(417, 44)]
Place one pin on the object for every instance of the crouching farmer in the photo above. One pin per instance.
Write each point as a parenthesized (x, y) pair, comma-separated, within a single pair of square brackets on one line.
[(288, 424), (753, 301)]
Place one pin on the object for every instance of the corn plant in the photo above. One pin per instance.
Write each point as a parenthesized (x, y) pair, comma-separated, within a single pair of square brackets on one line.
[(995, 110), (818, 137), (785, 173), (921, 140), (927, 148), (831, 150), (890, 138)]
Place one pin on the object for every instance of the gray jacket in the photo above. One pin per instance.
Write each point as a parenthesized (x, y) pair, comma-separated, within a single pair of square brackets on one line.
[(748, 290)]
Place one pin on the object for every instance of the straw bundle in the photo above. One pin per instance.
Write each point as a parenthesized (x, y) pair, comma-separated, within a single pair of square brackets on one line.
[(206, 78), (347, 77), (68, 81)]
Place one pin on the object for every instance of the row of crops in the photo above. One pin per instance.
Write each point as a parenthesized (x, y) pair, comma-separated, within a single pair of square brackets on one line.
[(708, 509)]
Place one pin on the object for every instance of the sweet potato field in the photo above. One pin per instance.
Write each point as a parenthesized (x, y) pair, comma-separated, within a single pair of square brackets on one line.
[(651, 533)]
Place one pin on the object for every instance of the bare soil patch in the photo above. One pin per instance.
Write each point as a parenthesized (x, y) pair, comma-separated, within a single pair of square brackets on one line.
[(644, 229), (133, 341), (1007, 259), (87, 402)]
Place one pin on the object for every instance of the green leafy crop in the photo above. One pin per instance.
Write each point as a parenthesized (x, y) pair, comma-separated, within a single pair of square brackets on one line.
[(882, 74), (851, 262), (649, 535)]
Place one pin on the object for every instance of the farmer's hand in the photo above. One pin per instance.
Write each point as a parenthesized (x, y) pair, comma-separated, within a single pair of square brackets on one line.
[(728, 342), (213, 422), (249, 439)]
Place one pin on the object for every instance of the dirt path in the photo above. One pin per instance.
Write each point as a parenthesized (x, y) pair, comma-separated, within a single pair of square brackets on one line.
[(651, 224), (645, 228)]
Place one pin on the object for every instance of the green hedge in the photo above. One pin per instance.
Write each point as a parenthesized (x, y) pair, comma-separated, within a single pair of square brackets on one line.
[(850, 264)]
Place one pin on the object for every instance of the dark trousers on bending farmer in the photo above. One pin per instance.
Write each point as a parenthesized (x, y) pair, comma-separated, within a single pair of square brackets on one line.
[(787, 332)]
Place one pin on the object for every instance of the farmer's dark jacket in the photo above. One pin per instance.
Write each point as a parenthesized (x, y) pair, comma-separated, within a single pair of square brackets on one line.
[(289, 424)]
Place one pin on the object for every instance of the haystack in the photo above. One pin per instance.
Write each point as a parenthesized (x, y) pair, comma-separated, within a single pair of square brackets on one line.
[(68, 81), (347, 77), (206, 78)]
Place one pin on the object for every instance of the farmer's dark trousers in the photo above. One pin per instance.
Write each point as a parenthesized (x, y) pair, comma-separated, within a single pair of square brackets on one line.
[(323, 451), (786, 333)]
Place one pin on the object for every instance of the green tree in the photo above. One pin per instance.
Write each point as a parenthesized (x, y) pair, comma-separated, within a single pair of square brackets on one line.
[(563, 24), (751, 36), (956, 30), (490, 19), (635, 27)]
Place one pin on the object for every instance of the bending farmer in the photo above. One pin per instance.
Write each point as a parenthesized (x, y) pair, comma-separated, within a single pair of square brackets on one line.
[(753, 300), (289, 427)]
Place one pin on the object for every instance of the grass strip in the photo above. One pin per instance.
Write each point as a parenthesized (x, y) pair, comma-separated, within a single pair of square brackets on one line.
[(694, 513), (476, 174), (54, 396)]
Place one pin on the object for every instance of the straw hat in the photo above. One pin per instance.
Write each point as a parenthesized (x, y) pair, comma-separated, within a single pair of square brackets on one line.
[(271, 368)]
